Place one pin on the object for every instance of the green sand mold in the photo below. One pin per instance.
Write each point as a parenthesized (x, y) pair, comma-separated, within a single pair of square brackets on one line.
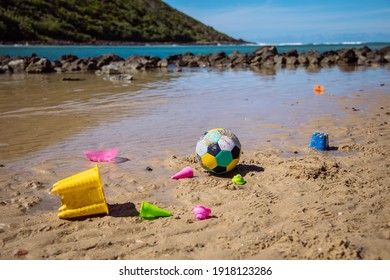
[(239, 180)]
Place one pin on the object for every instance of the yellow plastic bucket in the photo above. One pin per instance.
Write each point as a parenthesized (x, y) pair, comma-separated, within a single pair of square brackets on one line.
[(81, 195)]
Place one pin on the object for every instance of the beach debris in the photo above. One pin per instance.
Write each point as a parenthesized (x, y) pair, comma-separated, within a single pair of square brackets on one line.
[(148, 168), (81, 195), (123, 78), (319, 141), (318, 89), (239, 180), (21, 253), (150, 212), (67, 79), (201, 212), (186, 172), (106, 155)]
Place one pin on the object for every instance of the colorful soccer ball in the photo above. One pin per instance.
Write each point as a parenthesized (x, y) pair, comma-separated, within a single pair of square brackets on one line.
[(218, 150)]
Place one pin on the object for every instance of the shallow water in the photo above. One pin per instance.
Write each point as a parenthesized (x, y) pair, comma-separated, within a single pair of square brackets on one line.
[(44, 119)]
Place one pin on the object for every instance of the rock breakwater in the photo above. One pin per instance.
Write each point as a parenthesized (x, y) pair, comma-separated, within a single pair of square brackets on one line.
[(267, 56)]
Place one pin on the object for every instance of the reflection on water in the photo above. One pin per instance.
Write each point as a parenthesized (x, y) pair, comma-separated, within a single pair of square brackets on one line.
[(39, 110), (43, 117)]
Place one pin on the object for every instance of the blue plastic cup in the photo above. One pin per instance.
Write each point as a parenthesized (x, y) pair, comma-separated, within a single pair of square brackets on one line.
[(319, 141)]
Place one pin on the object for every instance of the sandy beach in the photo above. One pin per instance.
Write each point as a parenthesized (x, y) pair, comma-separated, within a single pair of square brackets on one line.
[(297, 203)]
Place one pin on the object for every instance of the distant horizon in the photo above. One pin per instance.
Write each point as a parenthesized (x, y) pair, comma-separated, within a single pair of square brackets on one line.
[(169, 44), (319, 43)]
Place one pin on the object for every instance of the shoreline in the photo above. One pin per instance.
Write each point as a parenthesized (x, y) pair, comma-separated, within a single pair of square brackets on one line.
[(315, 206)]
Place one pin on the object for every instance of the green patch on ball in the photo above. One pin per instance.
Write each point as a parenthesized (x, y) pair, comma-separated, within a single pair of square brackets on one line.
[(218, 150)]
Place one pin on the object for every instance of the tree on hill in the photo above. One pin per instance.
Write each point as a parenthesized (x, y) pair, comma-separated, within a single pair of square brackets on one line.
[(88, 21)]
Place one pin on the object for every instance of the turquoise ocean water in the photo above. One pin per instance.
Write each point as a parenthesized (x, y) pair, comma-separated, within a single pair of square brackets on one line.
[(162, 51)]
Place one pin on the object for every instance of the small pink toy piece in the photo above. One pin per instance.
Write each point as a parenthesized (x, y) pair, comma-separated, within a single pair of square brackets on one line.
[(201, 212), (101, 155), (187, 172)]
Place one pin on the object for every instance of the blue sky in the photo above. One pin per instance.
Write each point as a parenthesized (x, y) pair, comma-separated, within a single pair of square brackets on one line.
[(293, 21)]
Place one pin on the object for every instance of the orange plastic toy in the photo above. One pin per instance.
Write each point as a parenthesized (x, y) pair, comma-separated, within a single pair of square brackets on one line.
[(318, 89)]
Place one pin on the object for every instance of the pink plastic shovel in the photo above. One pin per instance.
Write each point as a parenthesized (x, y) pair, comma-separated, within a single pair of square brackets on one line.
[(107, 155), (187, 172)]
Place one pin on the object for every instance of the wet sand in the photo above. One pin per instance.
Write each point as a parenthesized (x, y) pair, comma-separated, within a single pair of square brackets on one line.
[(297, 203)]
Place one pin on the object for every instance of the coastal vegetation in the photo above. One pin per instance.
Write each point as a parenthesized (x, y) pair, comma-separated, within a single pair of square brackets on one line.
[(94, 21)]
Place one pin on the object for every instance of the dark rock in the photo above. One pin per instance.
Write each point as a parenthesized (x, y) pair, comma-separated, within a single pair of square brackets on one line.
[(218, 59), (56, 63), (173, 58), (188, 59), (106, 59), (217, 56), (72, 79), (4, 59), (266, 49), (70, 67), (302, 59), (385, 52), (314, 54), (237, 58), (292, 60), (377, 57), (362, 51), (347, 56), (124, 78), (133, 65), (292, 53), (203, 61), (111, 69), (267, 56), (163, 63), (91, 65), (193, 63), (330, 59), (188, 56), (264, 55), (42, 65), (279, 60), (68, 58), (329, 53), (17, 65), (313, 57), (151, 63), (140, 62), (234, 55)]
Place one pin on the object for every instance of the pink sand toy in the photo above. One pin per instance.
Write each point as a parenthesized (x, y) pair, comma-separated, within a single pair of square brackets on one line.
[(201, 212), (187, 172), (101, 155)]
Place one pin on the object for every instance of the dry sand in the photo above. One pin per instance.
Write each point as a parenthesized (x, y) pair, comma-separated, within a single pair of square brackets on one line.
[(297, 203)]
